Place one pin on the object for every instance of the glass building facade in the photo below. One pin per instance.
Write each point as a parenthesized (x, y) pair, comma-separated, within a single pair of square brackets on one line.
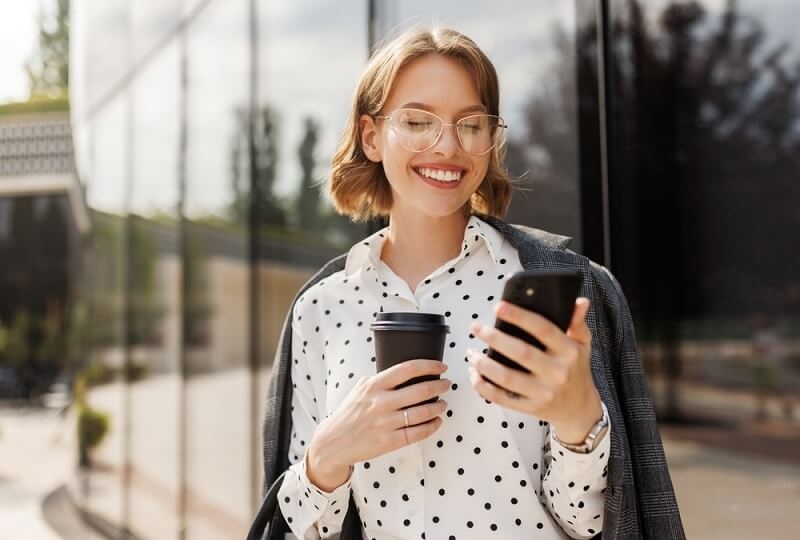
[(662, 136)]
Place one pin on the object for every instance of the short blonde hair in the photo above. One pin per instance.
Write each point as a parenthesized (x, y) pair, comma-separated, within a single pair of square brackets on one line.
[(358, 187)]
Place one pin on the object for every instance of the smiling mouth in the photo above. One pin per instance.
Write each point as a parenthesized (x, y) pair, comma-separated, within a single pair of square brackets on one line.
[(440, 175)]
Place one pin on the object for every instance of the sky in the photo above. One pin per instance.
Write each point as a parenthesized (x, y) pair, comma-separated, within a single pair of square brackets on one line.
[(18, 34)]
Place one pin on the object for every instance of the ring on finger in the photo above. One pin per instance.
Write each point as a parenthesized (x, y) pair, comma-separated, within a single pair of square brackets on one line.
[(405, 415)]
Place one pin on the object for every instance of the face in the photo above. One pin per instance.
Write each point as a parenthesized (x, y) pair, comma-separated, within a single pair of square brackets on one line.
[(423, 183)]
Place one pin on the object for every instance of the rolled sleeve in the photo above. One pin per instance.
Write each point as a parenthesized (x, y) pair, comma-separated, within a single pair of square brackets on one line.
[(574, 485)]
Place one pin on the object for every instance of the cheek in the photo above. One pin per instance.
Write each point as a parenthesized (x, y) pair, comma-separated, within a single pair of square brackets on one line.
[(481, 168)]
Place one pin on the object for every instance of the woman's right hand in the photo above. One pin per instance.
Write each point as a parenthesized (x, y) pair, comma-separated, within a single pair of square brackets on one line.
[(370, 421)]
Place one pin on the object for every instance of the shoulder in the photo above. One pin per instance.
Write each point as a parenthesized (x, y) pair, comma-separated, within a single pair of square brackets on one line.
[(542, 249), (318, 290)]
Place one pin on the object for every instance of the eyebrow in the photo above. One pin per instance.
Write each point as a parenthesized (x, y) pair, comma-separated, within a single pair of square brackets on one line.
[(417, 105)]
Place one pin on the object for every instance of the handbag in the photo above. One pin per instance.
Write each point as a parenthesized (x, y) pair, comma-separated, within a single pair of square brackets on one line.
[(269, 523)]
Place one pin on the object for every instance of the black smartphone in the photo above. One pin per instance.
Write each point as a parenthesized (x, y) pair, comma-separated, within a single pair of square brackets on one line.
[(551, 293)]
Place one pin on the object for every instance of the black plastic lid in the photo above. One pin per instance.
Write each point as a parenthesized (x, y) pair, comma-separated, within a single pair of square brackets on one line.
[(410, 321)]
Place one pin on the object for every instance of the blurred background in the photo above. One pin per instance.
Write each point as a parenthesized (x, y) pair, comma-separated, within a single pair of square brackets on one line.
[(160, 164)]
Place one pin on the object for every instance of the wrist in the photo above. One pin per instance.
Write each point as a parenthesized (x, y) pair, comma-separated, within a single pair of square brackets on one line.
[(322, 470), (574, 428)]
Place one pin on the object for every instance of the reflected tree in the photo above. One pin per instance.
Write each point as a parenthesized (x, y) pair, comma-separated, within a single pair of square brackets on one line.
[(712, 110), (308, 200), (267, 206), (146, 309), (48, 69), (706, 132), (542, 152)]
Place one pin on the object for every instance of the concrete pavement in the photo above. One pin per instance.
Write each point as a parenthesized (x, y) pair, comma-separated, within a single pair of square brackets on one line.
[(37, 456)]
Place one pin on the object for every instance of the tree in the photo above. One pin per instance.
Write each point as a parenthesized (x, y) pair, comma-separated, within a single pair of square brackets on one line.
[(308, 204), (48, 69)]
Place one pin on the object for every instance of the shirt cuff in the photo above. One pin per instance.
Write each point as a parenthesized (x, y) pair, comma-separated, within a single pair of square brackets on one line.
[(311, 507)]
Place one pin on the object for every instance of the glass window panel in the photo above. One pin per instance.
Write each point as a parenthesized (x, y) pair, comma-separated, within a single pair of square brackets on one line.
[(107, 45), (217, 271), (154, 266), (151, 24), (105, 181), (704, 208), (304, 101)]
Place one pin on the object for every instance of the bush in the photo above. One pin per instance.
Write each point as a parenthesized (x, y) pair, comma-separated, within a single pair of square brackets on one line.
[(98, 373), (92, 428)]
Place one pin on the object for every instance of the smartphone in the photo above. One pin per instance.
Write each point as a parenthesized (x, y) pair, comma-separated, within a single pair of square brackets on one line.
[(551, 293)]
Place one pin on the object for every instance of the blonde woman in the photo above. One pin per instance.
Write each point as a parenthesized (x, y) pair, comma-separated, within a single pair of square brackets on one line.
[(569, 450)]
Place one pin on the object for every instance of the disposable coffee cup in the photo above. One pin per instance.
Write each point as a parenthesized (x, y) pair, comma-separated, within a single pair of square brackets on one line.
[(400, 337)]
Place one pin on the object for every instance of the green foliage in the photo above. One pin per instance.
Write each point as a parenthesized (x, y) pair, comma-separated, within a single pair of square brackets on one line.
[(98, 373), (34, 106), (93, 426), (137, 371), (17, 348), (48, 69), (3, 338)]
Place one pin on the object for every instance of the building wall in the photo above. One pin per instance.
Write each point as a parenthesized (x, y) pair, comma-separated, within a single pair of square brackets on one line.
[(198, 246)]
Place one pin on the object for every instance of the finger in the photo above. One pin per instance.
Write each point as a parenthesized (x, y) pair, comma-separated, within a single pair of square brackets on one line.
[(496, 394), (418, 414), (548, 334), (417, 433), (578, 328), (416, 393), (511, 379), (523, 353), (405, 371)]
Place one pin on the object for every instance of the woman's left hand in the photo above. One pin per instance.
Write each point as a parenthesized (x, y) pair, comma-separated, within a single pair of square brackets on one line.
[(559, 388)]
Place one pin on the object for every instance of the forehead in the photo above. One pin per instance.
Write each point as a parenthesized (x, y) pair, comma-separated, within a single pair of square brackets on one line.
[(441, 84)]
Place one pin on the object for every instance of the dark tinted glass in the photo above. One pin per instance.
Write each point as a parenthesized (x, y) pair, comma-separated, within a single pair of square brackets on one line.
[(704, 206)]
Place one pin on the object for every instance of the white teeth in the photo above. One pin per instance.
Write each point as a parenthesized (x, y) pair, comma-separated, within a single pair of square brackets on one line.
[(440, 175)]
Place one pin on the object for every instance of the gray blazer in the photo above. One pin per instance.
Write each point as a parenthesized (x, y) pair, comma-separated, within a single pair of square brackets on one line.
[(640, 501)]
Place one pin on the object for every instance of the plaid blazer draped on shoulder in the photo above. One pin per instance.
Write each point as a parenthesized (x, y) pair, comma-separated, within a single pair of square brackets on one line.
[(640, 501)]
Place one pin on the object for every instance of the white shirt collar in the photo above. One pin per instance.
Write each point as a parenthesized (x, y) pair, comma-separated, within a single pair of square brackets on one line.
[(368, 251)]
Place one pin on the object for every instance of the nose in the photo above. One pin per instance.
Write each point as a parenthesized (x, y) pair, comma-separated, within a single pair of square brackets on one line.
[(448, 144)]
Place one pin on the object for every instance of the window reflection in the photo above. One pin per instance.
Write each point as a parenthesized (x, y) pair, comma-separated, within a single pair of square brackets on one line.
[(216, 287), (106, 183), (107, 47), (707, 109)]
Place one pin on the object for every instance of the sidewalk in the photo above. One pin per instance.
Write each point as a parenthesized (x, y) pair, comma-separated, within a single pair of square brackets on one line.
[(725, 496), (37, 457)]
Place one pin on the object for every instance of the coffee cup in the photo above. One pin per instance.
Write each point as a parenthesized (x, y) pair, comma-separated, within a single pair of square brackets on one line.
[(401, 336)]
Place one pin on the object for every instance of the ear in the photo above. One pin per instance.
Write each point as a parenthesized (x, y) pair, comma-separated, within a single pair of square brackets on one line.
[(370, 138)]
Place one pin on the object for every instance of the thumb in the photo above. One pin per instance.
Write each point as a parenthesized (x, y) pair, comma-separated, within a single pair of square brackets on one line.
[(578, 328)]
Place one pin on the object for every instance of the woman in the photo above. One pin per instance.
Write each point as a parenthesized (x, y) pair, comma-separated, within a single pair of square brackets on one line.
[(570, 449)]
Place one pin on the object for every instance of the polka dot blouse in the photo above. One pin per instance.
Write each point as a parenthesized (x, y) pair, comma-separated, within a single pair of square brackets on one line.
[(488, 472)]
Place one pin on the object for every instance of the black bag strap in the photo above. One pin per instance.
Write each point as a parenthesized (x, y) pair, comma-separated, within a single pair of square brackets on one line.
[(269, 510), (269, 523)]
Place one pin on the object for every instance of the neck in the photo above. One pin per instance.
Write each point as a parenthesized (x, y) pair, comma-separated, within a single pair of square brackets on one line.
[(418, 245)]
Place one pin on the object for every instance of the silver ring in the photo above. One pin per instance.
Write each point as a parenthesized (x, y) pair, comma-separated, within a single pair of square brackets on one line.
[(405, 415)]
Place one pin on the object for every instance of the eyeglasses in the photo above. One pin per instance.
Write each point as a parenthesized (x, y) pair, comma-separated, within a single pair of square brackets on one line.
[(420, 130)]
